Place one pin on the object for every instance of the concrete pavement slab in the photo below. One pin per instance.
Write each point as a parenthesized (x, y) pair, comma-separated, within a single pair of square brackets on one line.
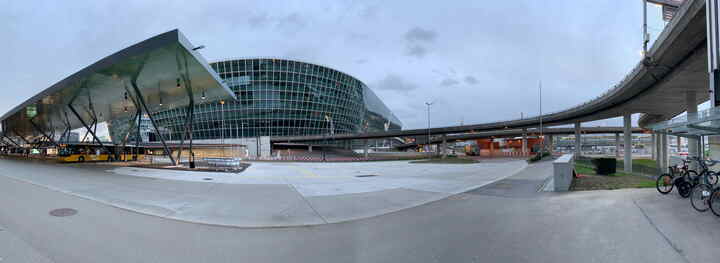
[(357, 206), (14, 249), (271, 195), (589, 226)]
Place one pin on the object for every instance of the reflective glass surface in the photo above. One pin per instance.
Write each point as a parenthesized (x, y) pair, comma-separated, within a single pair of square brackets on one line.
[(278, 97)]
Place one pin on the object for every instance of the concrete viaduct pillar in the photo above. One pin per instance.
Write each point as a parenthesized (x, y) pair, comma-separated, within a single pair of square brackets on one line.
[(653, 146), (617, 145), (365, 150), (524, 142), (492, 147), (444, 150), (627, 134), (550, 143), (578, 143)]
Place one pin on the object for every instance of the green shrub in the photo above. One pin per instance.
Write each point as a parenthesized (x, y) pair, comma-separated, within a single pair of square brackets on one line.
[(538, 156)]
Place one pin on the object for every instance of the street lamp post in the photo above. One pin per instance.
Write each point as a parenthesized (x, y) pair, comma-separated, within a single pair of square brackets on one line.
[(542, 139), (428, 129)]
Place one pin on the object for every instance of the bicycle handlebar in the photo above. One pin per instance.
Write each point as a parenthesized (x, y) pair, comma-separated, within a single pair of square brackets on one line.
[(706, 162)]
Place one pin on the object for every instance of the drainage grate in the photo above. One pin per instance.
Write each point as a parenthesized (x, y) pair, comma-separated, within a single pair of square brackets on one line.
[(62, 212), (207, 179), (367, 175)]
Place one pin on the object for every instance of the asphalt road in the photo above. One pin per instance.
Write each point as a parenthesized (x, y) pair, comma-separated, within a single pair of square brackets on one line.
[(507, 221)]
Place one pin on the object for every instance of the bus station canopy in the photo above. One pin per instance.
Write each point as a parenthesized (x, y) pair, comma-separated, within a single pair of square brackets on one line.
[(164, 71), (692, 125)]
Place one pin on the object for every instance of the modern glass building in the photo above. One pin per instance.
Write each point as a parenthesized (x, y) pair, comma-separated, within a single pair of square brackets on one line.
[(280, 97)]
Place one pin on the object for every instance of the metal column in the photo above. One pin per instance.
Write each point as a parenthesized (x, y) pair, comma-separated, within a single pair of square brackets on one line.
[(713, 49), (152, 120), (95, 138), (691, 104), (664, 152)]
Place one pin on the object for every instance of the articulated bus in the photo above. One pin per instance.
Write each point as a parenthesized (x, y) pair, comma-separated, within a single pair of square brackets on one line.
[(89, 152)]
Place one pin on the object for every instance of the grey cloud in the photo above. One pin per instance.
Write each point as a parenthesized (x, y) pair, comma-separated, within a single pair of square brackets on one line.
[(449, 82), (369, 12), (477, 37), (292, 22), (302, 53), (420, 35), (416, 51), (470, 80), (258, 20), (293, 19), (417, 38), (394, 82)]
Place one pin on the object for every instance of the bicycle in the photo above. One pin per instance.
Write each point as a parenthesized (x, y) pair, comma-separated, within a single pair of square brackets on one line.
[(677, 177), (701, 192)]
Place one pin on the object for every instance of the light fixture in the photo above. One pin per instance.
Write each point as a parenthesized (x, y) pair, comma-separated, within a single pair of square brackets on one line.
[(126, 97), (203, 95), (160, 95), (178, 82), (125, 108)]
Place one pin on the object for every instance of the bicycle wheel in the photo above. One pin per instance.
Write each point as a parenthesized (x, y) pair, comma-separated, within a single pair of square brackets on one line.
[(664, 183), (711, 178), (684, 188), (700, 196), (715, 201), (692, 177)]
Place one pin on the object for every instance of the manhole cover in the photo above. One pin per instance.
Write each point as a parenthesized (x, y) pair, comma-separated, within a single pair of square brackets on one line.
[(366, 175), (503, 185), (63, 212), (207, 179)]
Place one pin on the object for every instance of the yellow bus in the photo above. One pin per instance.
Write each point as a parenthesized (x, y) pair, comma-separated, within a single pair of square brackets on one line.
[(88, 152)]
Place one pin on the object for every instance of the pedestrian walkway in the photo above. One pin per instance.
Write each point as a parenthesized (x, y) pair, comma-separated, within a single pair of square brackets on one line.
[(527, 183), (267, 194), (14, 249)]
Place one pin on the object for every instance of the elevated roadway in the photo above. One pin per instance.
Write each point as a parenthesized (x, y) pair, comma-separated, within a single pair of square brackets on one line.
[(517, 133), (658, 86)]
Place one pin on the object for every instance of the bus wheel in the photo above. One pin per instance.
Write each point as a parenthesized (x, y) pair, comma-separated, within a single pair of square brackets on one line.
[(81, 159)]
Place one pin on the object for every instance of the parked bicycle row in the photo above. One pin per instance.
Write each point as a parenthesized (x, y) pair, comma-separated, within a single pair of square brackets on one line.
[(700, 185)]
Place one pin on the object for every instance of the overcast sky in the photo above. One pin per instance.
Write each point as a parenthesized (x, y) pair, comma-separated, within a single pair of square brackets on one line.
[(479, 61)]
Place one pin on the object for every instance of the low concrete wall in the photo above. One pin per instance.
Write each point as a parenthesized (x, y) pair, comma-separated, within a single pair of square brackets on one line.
[(563, 172)]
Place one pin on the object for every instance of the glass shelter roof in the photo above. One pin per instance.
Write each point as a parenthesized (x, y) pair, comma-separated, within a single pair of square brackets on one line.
[(702, 123), (165, 69)]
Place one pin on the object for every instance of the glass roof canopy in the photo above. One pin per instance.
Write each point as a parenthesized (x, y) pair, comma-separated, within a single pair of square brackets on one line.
[(164, 70), (698, 124)]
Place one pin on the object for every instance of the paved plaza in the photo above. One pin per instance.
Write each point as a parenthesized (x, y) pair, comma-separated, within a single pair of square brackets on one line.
[(267, 194), (506, 220)]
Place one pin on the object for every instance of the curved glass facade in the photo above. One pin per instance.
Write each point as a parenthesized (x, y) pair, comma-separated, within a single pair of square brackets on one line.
[(279, 97)]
